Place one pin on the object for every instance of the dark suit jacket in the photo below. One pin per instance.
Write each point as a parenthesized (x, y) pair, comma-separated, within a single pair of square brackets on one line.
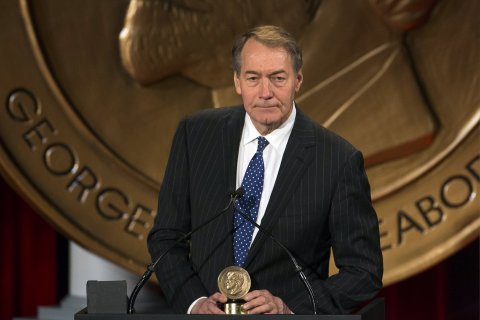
[(320, 201)]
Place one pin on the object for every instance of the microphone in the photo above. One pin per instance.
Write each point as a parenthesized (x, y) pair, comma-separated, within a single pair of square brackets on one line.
[(298, 268), (151, 267)]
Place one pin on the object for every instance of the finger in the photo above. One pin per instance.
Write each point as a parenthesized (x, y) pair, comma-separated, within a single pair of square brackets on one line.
[(218, 297), (263, 301), (214, 309), (206, 306), (214, 299), (256, 302), (268, 308), (199, 306), (255, 294), (278, 306)]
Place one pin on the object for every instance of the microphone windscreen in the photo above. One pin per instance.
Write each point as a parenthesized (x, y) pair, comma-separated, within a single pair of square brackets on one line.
[(240, 192)]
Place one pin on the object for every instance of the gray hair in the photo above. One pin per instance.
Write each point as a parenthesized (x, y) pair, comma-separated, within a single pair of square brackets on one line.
[(270, 36)]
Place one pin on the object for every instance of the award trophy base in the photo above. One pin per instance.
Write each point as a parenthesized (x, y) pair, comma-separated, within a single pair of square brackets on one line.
[(233, 307)]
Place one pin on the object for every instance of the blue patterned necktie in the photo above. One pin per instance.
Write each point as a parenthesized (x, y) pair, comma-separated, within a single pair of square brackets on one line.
[(253, 185)]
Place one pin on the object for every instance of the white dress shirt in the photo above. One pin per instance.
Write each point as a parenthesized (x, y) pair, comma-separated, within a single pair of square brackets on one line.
[(272, 157)]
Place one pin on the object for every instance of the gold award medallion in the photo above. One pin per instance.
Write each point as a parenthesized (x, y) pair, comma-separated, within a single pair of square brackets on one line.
[(234, 282)]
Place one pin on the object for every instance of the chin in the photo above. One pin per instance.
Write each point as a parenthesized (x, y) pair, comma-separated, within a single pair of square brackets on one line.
[(269, 115), (269, 121)]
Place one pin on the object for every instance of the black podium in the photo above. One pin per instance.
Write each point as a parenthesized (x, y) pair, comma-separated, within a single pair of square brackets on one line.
[(107, 300), (375, 310)]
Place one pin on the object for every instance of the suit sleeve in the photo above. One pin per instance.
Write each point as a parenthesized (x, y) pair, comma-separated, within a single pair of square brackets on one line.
[(178, 280), (354, 231)]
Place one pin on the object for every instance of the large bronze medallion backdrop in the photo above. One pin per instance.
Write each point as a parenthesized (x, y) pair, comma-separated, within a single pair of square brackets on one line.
[(93, 91)]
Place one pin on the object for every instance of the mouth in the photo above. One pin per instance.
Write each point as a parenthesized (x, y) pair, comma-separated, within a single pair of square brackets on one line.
[(266, 106)]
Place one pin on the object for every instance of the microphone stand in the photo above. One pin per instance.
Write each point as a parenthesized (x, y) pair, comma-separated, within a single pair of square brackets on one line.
[(298, 268), (152, 266)]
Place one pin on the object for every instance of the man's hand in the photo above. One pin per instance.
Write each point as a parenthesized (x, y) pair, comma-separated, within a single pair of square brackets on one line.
[(209, 305), (262, 301)]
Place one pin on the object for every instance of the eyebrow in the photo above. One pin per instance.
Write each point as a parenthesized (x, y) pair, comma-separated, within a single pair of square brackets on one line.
[(270, 74)]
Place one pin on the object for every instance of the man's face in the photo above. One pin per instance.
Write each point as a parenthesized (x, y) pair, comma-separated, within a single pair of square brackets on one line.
[(267, 83), (233, 283)]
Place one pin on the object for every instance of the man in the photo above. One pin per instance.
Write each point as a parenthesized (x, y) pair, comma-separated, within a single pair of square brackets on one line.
[(303, 184), (234, 283)]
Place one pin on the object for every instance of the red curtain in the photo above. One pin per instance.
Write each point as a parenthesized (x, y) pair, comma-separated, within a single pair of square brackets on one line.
[(28, 268), (31, 272), (447, 291)]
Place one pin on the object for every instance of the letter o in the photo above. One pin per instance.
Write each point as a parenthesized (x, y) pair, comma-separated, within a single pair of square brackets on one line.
[(447, 184), (59, 159)]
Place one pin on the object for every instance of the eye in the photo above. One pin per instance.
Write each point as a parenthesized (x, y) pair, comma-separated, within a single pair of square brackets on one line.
[(279, 80), (252, 78)]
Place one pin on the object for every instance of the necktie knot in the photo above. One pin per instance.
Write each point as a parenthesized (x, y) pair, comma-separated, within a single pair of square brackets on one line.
[(262, 143)]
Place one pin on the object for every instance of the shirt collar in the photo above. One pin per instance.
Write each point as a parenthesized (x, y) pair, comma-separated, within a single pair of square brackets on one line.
[(275, 137)]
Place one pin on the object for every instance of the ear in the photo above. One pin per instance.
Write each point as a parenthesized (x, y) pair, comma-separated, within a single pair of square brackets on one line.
[(298, 81), (236, 81)]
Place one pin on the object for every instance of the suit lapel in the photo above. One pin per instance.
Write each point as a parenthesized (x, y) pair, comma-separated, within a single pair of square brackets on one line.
[(296, 159), (231, 135)]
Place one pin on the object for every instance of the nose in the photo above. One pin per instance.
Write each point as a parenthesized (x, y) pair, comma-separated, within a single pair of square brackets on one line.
[(265, 89)]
